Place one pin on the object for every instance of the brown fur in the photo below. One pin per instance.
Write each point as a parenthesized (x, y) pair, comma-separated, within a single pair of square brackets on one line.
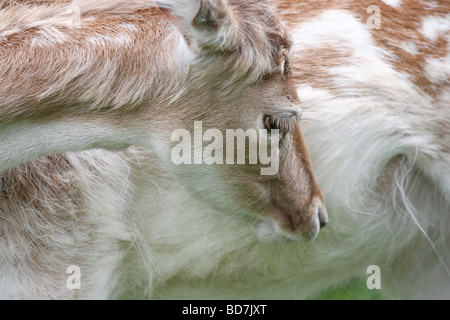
[(50, 187), (398, 25), (122, 68)]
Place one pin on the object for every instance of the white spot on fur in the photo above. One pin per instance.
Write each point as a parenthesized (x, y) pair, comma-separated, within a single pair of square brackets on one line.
[(437, 70), (410, 47), (342, 27), (48, 38), (430, 4), (393, 3), (121, 39), (435, 26), (129, 27)]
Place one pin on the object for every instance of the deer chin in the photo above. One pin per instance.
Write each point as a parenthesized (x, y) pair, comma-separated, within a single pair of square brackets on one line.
[(270, 231)]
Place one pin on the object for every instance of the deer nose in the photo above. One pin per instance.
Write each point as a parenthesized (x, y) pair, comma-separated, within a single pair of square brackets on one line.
[(323, 216)]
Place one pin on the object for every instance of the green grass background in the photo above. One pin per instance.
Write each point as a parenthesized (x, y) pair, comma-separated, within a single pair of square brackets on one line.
[(355, 290)]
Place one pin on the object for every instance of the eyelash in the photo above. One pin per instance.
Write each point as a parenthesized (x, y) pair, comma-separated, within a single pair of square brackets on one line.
[(268, 124), (285, 125)]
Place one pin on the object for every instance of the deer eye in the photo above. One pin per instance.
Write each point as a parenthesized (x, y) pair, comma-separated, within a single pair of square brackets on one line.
[(282, 121), (269, 124)]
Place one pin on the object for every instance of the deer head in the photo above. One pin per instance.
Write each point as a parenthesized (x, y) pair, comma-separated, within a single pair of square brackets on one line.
[(240, 79), (124, 73)]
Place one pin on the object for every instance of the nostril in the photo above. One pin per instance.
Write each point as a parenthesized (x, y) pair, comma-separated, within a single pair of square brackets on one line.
[(323, 218)]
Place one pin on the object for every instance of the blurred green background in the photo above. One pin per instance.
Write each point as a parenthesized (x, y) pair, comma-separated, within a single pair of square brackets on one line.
[(354, 290)]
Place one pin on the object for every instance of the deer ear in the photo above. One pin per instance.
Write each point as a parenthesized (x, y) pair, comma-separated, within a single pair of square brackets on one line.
[(207, 24)]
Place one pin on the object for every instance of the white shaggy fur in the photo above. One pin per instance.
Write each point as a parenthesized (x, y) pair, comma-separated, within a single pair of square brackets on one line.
[(385, 175), (393, 3)]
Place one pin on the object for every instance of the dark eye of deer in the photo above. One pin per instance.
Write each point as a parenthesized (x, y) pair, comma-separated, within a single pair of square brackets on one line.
[(269, 123)]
